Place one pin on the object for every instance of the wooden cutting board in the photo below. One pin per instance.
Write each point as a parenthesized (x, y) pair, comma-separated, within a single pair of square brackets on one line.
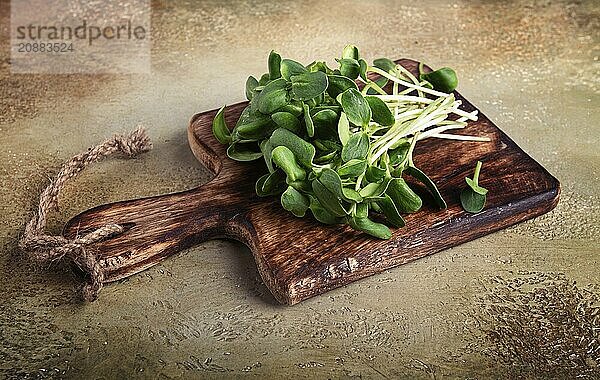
[(298, 257)]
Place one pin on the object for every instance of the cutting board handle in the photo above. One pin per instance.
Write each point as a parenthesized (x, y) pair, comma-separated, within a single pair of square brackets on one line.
[(159, 226)]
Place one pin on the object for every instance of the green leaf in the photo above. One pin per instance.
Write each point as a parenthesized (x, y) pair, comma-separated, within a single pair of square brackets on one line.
[(349, 67), (264, 79), (339, 84), (314, 102), (254, 131), (350, 51), (343, 129), (332, 181), (471, 201), (290, 68), (332, 107), (293, 201), (375, 190), (418, 174), (327, 145), (244, 151), (375, 207), (266, 148), (274, 65), (251, 84), (302, 186), (370, 190), (391, 212), (397, 155), (381, 82), (219, 128), (325, 118), (294, 107), (258, 186), (357, 147), (375, 174), (363, 66), (380, 111), (385, 64), (253, 125), (285, 159), (352, 168), (247, 114), (319, 66), (328, 200), (404, 198), (473, 197), (476, 188), (286, 120), (308, 85), (378, 230), (356, 107), (270, 184), (310, 127), (325, 124), (327, 151), (303, 151), (351, 195), (325, 158), (320, 213), (362, 210), (444, 79), (474, 183), (272, 97)]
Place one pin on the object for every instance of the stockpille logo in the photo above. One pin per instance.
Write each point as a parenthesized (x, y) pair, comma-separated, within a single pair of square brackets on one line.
[(83, 31)]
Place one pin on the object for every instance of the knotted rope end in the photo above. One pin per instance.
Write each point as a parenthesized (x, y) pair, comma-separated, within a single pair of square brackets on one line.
[(136, 142), (44, 248)]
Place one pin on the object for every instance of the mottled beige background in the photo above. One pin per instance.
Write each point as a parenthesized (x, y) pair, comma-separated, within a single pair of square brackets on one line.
[(532, 66)]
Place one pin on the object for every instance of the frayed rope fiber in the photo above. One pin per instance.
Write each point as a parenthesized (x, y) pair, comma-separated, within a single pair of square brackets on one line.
[(44, 248)]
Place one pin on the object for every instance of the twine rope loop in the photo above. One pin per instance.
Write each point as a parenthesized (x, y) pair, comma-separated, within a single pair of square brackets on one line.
[(45, 248)]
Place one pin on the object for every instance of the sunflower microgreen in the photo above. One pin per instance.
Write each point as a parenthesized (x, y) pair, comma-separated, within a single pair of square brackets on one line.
[(339, 143)]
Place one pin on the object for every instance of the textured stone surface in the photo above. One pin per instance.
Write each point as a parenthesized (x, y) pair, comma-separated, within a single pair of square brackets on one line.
[(531, 66)]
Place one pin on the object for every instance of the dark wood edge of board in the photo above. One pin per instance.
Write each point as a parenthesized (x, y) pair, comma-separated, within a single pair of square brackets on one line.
[(541, 203)]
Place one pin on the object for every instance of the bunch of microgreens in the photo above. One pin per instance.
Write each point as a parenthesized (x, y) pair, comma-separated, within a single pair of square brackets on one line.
[(338, 151)]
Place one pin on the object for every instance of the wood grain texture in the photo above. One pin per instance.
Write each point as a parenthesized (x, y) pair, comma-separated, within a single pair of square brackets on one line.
[(299, 257)]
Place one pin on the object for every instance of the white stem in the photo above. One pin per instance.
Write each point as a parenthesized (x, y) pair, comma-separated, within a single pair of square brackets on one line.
[(465, 118), (398, 125), (415, 126), (395, 92), (428, 122), (410, 76), (409, 114), (435, 131), (404, 98), (407, 84), (467, 115), (400, 99)]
